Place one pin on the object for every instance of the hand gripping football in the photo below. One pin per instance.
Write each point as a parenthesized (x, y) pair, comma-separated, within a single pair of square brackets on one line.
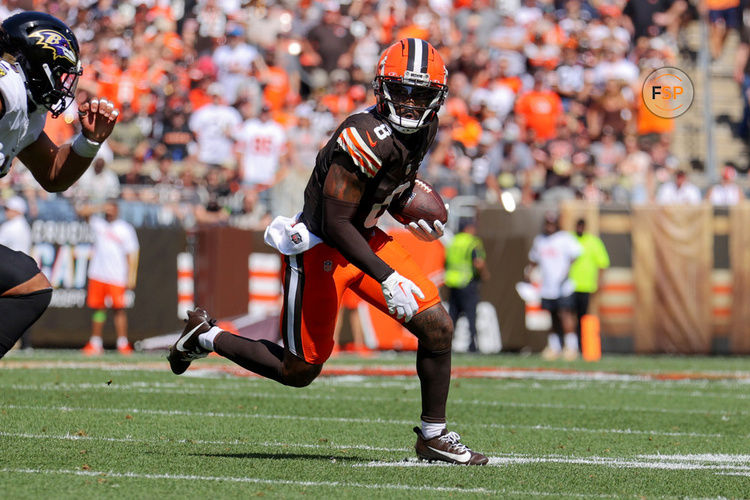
[(422, 203)]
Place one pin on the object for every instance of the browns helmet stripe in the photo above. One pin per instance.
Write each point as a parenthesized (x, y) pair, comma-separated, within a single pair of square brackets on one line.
[(410, 52)]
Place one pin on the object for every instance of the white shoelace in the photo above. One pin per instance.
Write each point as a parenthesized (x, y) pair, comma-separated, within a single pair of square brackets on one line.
[(455, 440)]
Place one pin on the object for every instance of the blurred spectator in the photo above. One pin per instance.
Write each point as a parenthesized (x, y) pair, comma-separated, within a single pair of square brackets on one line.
[(680, 191), (214, 126), (134, 175), (539, 110), (234, 62), (261, 151), (464, 267), (586, 272), (252, 214), (176, 137), (723, 15), (339, 102), (553, 251), (111, 273), (607, 152), (727, 192), (98, 182), (650, 18), (128, 138), (742, 73), (330, 40)]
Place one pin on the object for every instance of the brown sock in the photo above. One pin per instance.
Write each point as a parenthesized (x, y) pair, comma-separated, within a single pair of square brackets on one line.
[(434, 370), (258, 356)]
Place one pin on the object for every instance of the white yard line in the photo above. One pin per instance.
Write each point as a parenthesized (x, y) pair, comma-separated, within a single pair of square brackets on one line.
[(265, 444), (143, 388), (666, 462), (359, 420)]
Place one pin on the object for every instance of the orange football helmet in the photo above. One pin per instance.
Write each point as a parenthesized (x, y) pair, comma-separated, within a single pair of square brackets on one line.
[(410, 84)]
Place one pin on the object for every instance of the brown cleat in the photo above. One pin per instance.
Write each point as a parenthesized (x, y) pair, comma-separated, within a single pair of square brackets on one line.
[(187, 348), (447, 447)]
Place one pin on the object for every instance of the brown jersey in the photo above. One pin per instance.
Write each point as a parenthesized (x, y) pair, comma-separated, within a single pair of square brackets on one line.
[(385, 160)]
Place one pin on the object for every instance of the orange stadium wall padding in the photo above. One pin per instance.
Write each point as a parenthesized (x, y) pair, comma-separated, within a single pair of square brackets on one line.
[(62, 249)]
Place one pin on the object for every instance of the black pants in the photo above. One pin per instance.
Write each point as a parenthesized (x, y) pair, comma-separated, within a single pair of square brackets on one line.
[(20, 311), (464, 301), (580, 308)]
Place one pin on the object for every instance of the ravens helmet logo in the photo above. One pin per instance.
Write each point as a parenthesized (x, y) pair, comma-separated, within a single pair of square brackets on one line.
[(61, 46)]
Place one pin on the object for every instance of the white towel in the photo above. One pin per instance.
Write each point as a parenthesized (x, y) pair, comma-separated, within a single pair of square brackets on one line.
[(289, 236)]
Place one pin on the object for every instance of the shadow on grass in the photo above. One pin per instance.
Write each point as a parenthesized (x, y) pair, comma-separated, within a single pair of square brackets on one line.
[(284, 456)]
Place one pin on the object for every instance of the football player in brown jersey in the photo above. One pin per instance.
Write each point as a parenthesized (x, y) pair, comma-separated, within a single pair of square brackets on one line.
[(334, 244)]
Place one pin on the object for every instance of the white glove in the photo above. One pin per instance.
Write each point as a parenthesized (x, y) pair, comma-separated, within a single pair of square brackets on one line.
[(424, 232), (399, 295)]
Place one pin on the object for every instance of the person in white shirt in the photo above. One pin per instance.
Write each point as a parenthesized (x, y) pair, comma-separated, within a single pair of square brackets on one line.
[(112, 272), (727, 192), (15, 232), (214, 126), (99, 183), (261, 153), (553, 252), (39, 69), (234, 61), (679, 192)]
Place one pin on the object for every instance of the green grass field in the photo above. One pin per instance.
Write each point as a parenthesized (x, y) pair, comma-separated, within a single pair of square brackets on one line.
[(627, 427)]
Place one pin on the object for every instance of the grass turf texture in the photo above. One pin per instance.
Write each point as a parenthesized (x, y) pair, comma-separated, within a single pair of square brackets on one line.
[(127, 428)]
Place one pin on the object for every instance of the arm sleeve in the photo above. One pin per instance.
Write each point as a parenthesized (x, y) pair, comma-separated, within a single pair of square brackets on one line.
[(339, 230)]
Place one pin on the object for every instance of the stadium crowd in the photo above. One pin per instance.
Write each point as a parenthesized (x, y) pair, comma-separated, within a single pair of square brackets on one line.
[(225, 103)]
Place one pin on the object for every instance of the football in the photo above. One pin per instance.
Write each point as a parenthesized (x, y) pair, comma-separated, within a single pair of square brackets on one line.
[(422, 203)]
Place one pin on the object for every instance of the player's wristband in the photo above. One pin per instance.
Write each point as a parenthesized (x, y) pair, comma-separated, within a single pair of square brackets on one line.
[(83, 146)]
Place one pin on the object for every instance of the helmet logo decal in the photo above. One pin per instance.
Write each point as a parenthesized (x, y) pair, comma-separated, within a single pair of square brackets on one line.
[(57, 43)]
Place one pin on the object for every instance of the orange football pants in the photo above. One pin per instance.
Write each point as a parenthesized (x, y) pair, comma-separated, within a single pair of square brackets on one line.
[(315, 281)]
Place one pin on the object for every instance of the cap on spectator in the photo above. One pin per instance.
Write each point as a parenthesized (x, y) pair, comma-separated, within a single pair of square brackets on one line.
[(17, 204), (235, 30)]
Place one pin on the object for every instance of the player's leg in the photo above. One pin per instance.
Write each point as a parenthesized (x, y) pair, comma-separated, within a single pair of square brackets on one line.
[(311, 297), (95, 299), (470, 303), (25, 294), (454, 303), (120, 318), (434, 329), (553, 349), (568, 321)]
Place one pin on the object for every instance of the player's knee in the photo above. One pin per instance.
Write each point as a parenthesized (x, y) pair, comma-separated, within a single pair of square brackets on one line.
[(300, 376), (433, 328)]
